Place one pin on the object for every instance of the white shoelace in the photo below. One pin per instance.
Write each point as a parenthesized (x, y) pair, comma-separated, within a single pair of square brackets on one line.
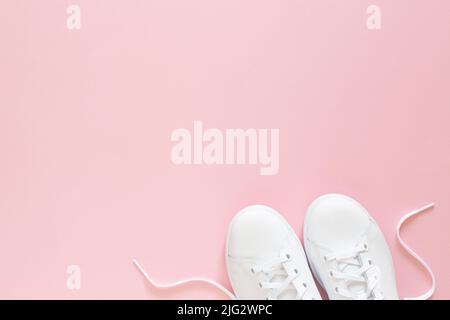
[(279, 279), (183, 282), (368, 273), (365, 273), (400, 223)]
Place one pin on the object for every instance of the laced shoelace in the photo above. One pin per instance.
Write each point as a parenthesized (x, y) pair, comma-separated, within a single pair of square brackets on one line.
[(368, 274), (279, 279)]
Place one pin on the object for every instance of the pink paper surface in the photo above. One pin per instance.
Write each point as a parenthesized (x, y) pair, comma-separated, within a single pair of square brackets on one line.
[(86, 117)]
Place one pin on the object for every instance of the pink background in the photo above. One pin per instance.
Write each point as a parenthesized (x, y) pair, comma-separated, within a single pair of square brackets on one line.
[(86, 118)]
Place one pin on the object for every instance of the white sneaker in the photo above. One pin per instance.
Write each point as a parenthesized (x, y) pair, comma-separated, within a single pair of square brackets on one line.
[(347, 250), (265, 259), (348, 253)]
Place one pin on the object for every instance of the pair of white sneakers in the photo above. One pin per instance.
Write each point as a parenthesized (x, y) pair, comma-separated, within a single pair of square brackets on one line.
[(344, 249)]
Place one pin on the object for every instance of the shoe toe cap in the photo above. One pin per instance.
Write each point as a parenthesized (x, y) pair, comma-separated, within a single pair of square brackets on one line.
[(335, 220), (256, 232)]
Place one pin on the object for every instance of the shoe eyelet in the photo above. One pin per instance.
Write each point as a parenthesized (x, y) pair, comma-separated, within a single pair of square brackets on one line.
[(288, 256), (325, 258), (331, 274), (336, 289), (369, 261), (260, 285), (366, 246), (252, 270), (305, 285), (296, 271)]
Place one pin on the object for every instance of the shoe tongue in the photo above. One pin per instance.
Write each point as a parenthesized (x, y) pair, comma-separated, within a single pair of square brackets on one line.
[(358, 289), (290, 292)]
